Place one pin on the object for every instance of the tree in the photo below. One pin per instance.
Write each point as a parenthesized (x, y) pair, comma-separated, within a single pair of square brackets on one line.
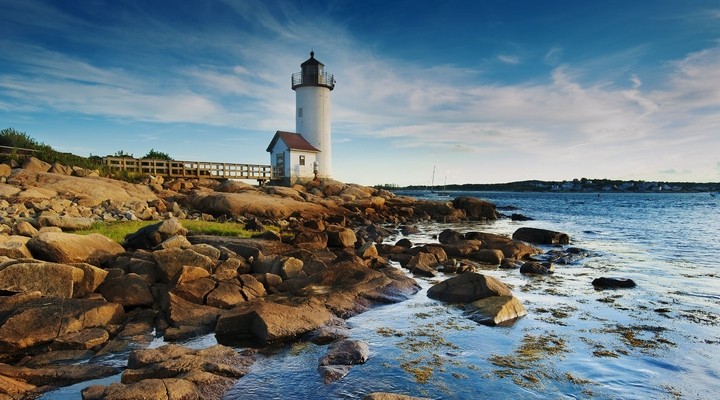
[(157, 155), (123, 154)]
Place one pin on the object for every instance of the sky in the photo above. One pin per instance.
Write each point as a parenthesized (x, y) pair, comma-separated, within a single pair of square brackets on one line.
[(481, 91)]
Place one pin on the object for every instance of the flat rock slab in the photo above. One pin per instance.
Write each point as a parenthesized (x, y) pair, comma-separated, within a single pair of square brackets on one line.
[(61, 247)]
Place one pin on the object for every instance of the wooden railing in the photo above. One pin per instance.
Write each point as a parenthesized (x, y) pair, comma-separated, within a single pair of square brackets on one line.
[(189, 169), (16, 150)]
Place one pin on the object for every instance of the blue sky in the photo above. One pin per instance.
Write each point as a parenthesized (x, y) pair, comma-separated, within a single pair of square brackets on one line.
[(486, 91)]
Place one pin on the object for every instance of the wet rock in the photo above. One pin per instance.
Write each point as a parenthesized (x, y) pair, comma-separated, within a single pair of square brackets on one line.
[(449, 236), (20, 382), (462, 249), (340, 357), (496, 310), (85, 339), (271, 322), (422, 264), (171, 360), (540, 236), (534, 267), (510, 263), (510, 248), (62, 247), (467, 288), (148, 389), (611, 283), (519, 217), (327, 334), (406, 243), (488, 256)]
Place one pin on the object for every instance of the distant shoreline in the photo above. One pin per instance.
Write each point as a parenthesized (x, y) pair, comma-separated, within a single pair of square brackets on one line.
[(577, 185)]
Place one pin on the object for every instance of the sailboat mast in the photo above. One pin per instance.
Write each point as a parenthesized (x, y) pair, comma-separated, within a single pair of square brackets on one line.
[(432, 181)]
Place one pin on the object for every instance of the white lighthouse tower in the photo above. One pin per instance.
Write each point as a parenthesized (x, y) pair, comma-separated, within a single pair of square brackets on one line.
[(312, 86)]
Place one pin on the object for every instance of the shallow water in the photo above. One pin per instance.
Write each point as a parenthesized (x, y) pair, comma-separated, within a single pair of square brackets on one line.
[(658, 340)]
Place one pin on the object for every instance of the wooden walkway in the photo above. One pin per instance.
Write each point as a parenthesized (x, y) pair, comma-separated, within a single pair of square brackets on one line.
[(190, 169)]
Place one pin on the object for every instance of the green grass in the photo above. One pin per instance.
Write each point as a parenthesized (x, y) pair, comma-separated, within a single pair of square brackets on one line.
[(118, 230)]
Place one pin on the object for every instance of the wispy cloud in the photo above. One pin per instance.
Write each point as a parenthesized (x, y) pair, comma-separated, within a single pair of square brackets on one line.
[(509, 59)]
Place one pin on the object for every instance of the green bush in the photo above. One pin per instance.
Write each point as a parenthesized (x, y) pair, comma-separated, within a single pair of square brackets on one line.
[(157, 155)]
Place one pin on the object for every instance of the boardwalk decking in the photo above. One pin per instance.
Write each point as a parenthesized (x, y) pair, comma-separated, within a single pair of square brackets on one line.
[(190, 169)]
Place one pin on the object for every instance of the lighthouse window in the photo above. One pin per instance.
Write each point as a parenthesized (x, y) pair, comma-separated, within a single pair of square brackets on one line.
[(302, 160), (300, 112)]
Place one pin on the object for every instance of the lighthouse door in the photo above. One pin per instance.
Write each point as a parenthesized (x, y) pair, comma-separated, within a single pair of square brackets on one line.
[(279, 171)]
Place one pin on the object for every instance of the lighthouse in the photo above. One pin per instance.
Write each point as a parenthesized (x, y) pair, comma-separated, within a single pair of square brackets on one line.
[(312, 86)]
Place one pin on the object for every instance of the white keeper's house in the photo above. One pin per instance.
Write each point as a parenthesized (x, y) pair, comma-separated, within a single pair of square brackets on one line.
[(306, 153)]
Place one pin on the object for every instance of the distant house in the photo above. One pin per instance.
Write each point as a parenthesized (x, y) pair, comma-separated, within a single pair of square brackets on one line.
[(293, 158)]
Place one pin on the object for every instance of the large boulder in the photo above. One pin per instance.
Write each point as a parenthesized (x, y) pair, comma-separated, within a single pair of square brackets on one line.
[(271, 322), (61, 247), (50, 279), (130, 290), (254, 203), (540, 236), (476, 209), (467, 288), (496, 310), (42, 320)]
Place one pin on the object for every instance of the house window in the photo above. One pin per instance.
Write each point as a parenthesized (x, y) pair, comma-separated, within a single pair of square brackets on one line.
[(300, 112), (302, 160)]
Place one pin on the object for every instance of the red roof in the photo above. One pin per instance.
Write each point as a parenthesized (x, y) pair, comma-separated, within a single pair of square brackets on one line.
[(294, 141)]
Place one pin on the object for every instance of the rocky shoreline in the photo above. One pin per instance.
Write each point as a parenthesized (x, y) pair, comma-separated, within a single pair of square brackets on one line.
[(67, 300)]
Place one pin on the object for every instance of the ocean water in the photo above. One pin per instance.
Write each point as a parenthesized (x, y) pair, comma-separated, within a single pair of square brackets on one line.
[(660, 340)]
